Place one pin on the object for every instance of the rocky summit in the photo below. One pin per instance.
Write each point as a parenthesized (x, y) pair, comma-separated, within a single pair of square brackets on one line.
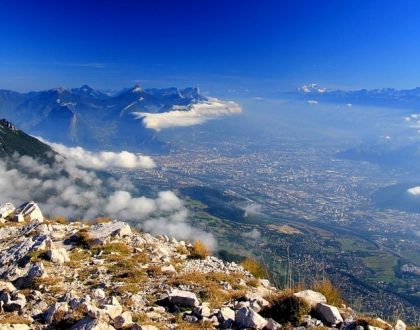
[(107, 275)]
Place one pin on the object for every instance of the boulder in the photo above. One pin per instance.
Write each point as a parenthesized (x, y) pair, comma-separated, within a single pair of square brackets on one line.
[(311, 297), (258, 298), (35, 271), (183, 298), (58, 256), (190, 318), (273, 325), (248, 318), (202, 311), (226, 317), (13, 302), (56, 312), (91, 324), (103, 232), (400, 325), (122, 321), (168, 269), (328, 313), (6, 286)]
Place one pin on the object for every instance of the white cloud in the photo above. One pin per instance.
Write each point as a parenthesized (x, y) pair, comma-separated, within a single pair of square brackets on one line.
[(252, 209), (193, 115), (415, 191), (66, 189), (253, 234), (104, 159), (312, 102)]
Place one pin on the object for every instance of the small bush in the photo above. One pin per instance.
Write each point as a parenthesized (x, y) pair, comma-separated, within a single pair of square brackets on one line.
[(255, 268), (287, 309), (331, 292), (182, 249), (199, 251)]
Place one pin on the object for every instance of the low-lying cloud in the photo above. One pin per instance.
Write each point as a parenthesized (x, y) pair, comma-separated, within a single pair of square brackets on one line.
[(104, 159), (252, 209), (415, 191), (193, 115), (68, 188), (254, 234)]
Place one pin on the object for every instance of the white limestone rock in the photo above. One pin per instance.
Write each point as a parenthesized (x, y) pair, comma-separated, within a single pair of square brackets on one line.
[(6, 286), (248, 318), (168, 269), (400, 325), (103, 232), (328, 313), (183, 298), (123, 321), (311, 297), (60, 307), (58, 256)]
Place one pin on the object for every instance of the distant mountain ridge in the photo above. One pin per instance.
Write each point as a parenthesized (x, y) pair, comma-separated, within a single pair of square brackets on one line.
[(87, 117), (389, 97)]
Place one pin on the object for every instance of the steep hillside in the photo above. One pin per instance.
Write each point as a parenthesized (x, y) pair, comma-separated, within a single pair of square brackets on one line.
[(14, 140)]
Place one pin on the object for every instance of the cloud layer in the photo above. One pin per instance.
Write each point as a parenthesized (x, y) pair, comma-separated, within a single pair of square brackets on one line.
[(194, 115), (104, 159), (67, 189)]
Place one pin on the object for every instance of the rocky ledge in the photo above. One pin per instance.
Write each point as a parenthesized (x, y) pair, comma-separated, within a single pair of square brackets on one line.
[(58, 275)]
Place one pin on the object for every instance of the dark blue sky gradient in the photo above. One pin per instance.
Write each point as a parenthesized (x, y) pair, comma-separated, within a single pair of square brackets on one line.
[(236, 47)]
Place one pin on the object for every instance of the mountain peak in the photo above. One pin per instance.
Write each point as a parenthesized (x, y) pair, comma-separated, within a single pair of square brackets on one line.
[(136, 89)]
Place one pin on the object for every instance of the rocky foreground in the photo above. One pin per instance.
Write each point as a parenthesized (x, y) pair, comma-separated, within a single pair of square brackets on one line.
[(57, 275)]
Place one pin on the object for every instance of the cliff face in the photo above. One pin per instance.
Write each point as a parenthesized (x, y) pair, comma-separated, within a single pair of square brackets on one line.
[(58, 275)]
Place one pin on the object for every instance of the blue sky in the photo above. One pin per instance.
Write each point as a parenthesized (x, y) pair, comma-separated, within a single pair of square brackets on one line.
[(226, 47)]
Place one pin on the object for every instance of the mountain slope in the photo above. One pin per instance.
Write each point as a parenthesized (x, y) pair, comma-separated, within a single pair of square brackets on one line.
[(14, 140)]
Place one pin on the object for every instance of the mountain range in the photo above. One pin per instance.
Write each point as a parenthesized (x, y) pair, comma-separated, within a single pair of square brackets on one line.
[(92, 119), (386, 97)]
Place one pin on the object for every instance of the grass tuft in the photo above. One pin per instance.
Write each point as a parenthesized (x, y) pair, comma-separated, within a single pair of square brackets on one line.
[(199, 251), (255, 268)]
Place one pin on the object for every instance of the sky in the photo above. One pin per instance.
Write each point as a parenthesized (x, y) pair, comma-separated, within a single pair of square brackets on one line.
[(226, 47)]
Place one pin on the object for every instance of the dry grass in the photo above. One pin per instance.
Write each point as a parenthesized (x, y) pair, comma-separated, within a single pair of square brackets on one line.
[(253, 282), (13, 318), (181, 249), (77, 256), (37, 256), (366, 320), (331, 292), (255, 268), (207, 286), (60, 220), (199, 251)]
